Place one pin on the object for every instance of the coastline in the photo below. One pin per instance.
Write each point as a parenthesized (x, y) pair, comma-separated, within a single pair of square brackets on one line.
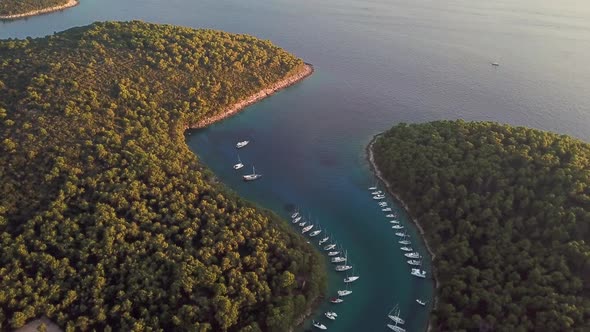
[(286, 82), (229, 111), (377, 172), (70, 3)]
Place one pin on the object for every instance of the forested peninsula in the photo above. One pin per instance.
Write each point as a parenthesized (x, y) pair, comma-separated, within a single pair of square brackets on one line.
[(108, 221), (14, 9), (506, 211)]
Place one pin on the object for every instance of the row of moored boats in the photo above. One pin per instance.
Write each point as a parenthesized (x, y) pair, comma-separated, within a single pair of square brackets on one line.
[(336, 255), (414, 259)]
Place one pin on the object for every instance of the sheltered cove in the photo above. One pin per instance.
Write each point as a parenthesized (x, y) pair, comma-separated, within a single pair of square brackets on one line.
[(379, 175)]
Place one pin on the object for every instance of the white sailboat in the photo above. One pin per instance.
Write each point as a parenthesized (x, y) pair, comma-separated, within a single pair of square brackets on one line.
[(396, 328), (319, 325), (373, 187), (406, 249), (391, 215), (394, 315), (406, 242), (378, 192), (336, 300), (338, 259), (401, 234), (386, 209), (344, 292), (330, 246), (351, 278), (253, 176), (397, 227), (296, 220), (242, 144), (324, 240), (301, 224), (306, 229), (394, 221), (412, 255), (414, 262), (343, 267), (383, 204), (378, 197), (333, 253), (239, 164), (295, 215), (315, 233)]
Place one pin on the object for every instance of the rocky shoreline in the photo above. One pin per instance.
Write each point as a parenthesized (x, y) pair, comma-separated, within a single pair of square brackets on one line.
[(70, 3), (306, 71), (390, 190)]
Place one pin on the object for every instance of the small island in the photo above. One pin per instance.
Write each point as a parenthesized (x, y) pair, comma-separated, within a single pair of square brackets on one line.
[(108, 221), (15, 9), (505, 212)]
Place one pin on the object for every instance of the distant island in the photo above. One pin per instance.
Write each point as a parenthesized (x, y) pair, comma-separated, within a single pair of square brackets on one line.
[(108, 221), (506, 213), (15, 9)]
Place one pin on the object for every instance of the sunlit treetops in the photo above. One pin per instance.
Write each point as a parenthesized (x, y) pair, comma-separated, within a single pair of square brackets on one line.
[(506, 211), (107, 220)]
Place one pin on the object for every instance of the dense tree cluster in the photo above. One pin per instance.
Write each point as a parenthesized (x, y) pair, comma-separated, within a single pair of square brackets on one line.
[(107, 220), (507, 213), (13, 7)]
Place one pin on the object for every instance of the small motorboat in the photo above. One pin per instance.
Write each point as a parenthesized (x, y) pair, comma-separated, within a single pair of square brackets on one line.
[(418, 273), (373, 188), (394, 221), (420, 302), (333, 253), (406, 242), (391, 215), (301, 224), (383, 204), (331, 315), (386, 209), (324, 240), (378, 197), (397, 227), (378, 192), (306, 229), (242, 144), (406, 249), (412, 255), (415, 262), (336, 300), (400, 234), (319, 325), (344, 292), (315, 233), (495, 64)]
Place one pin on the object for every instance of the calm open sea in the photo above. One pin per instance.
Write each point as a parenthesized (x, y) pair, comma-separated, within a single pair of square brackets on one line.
[(378, 63)]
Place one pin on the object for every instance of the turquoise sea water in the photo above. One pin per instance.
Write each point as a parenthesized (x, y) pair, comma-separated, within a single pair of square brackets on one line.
[(378, 63)]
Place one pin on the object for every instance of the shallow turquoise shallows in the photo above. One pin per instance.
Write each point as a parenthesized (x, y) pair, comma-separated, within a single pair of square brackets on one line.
[(377, 63)]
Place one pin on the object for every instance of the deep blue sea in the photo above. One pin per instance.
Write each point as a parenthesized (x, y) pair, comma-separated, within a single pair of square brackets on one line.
[(378, 63)]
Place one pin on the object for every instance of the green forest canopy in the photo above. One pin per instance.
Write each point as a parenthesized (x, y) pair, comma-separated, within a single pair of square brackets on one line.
[(507, 213), (13, 7), (107, 220)]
